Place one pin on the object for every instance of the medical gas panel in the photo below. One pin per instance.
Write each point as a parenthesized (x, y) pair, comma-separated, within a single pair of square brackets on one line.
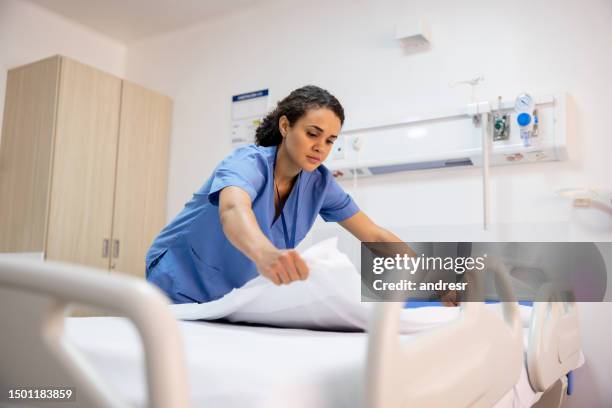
[(520, 130)]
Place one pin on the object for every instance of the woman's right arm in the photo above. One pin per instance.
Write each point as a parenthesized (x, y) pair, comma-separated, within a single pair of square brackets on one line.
[(241, 229)]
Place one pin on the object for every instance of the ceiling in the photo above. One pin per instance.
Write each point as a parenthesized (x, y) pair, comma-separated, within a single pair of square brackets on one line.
[(130, 20)]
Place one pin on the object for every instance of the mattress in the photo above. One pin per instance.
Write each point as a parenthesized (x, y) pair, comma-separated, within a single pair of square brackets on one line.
[(233, 365)]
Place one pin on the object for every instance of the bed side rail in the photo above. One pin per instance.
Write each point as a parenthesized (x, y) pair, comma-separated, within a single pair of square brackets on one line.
[(470, 362), (554, 337), (34, 297)]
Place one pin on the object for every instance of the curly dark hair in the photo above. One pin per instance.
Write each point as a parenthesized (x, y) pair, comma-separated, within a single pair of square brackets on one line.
[(294, 106)]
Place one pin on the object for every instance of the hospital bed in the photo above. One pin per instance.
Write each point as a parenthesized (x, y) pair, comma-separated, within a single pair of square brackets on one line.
[(476, 360)]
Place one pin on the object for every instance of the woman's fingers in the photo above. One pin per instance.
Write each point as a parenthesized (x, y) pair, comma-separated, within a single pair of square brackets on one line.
[(300, 265), (281, 272), (450, 299), (275, 278), (285, 267), (288, 262)]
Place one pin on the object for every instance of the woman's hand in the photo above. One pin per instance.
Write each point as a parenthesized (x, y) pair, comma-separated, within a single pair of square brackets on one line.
[(282, 266), (242, 230), (450, 299)]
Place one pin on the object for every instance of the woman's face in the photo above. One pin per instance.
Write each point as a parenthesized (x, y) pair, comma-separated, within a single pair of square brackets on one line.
[(310, 140)]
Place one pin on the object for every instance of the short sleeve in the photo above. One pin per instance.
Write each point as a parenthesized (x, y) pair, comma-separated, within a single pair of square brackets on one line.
[(245, 168), (337, 204)]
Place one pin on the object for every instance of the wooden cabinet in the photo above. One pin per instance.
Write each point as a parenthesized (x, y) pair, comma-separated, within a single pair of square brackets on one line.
[(83, 165), (140, 188)]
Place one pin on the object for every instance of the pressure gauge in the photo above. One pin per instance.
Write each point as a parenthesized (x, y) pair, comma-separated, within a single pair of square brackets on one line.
[(524, 107), (523, 103)]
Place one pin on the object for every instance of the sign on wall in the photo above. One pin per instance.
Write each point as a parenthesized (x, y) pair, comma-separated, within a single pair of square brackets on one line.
[(248, 110)]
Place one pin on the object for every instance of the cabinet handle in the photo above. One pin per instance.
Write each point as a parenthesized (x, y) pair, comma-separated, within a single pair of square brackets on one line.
[(116, 249), (105, 244)]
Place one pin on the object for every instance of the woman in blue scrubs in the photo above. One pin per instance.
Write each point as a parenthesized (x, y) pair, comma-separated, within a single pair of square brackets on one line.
[(258, 205)]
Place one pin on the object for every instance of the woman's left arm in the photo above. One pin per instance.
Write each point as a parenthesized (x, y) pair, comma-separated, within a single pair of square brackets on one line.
[(365, 230)]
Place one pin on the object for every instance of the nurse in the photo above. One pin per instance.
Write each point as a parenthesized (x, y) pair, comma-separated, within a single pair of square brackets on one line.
[(257, 206)]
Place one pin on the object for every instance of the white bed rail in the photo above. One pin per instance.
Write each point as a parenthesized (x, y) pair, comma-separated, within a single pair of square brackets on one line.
[(33, 352), (471, 362), (554, 337)]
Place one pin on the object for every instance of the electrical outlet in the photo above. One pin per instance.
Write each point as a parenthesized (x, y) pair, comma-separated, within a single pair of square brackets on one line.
[(339, 150)]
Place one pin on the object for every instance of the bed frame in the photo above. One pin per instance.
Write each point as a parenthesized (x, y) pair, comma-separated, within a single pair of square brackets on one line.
[(34, 298), (470, 362), (483, 353), (554, 344)]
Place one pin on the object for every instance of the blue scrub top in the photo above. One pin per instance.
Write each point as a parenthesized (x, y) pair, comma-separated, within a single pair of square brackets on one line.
[(191, 260)]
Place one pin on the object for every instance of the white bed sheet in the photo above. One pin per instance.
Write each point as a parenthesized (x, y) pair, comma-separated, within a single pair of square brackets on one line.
[(245, 366), (329, 299)]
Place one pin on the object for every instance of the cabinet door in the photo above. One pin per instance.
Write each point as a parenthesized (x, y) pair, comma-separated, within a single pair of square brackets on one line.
[(84, 163), (25, 155), (142, 167)]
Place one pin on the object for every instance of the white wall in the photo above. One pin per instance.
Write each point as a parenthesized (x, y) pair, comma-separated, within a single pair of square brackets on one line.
[(29, 33), (348, 47)]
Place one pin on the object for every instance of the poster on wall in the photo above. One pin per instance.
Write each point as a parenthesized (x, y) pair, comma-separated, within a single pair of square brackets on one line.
[(248, 110)]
